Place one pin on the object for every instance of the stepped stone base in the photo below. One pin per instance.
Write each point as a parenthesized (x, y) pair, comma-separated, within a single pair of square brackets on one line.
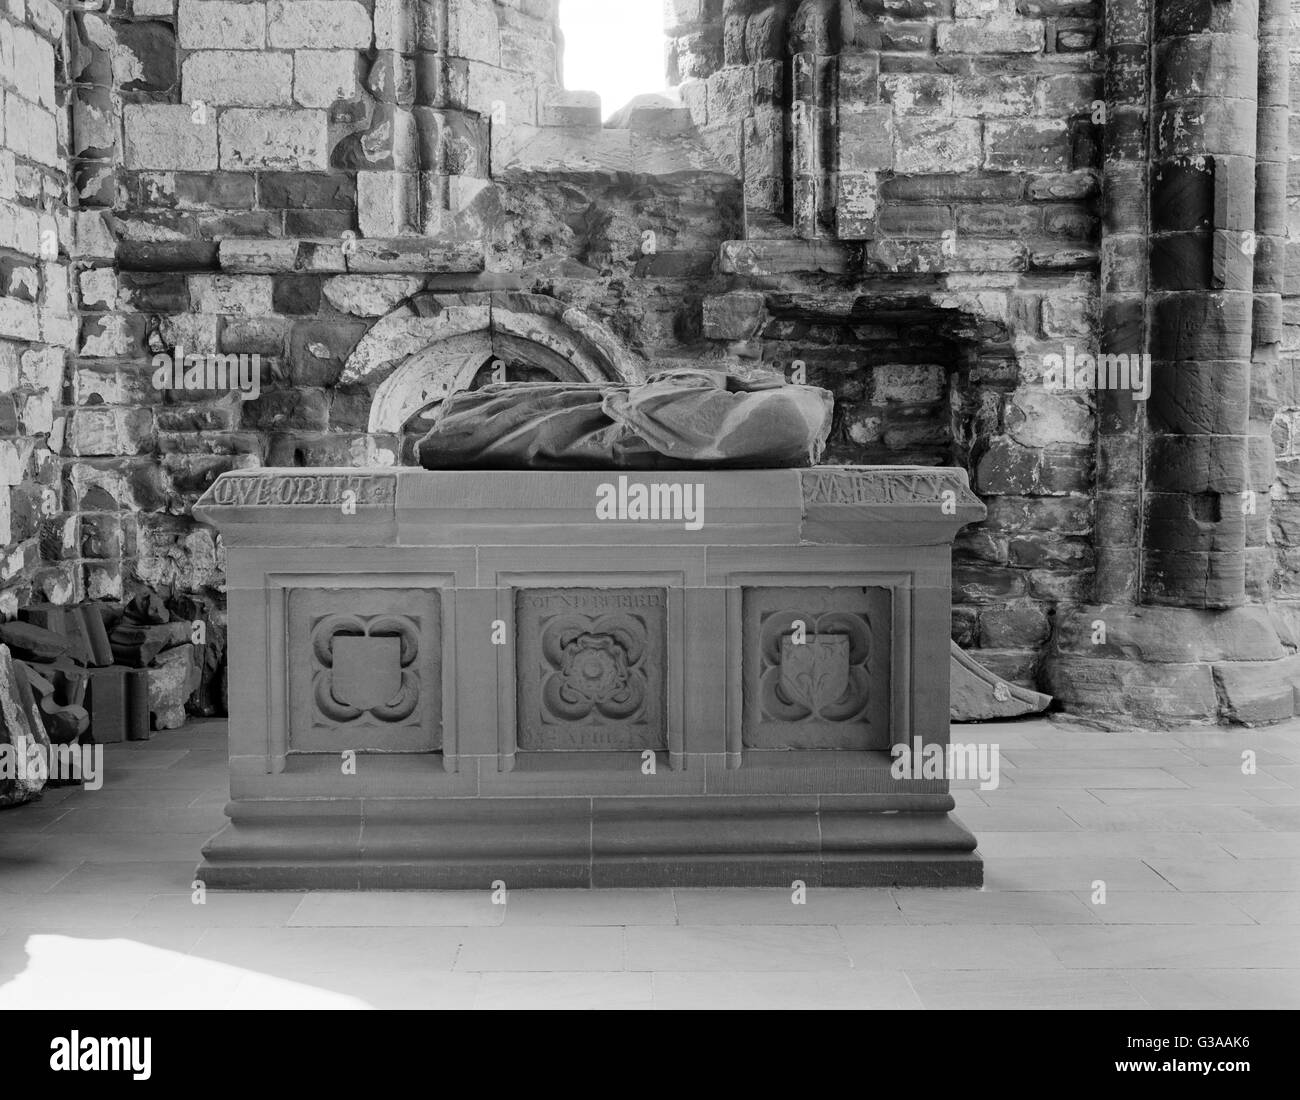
[(1165, 666), (580, 843)]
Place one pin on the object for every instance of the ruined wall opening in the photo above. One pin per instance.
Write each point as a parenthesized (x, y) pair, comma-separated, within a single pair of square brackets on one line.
[(614, 50)]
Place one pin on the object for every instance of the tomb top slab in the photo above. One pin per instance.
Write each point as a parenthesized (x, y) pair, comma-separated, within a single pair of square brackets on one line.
[(864, 505)]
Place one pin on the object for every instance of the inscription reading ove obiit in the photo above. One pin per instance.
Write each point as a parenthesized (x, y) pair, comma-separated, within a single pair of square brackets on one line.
[(287, 490)]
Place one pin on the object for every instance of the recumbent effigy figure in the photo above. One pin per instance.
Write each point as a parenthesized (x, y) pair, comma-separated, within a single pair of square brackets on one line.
[(676, 420)]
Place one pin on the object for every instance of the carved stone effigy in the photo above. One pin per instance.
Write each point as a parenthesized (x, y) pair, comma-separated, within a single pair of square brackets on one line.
[(677, 420), (588, 678)]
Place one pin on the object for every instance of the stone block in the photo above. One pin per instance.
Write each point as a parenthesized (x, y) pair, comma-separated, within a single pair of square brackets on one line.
[(866, 139), (30, 129), (1013, 627), (221, 25), (386, 203), (473, 32), (296, 294), (735, 316), (167, 136), (917, 93), (927, 145), (318, 24), (1129, 690), (1064, 317), (572, 109), (144, 58), (283, 140), (232, 295), (996, 95), (1171, 635), (20, 229), (238, 78), (307, 190), (998, 34), (1027, 144), (172, 681), (107, 431), (1257, 693), (370, 295), (323, 77), (318, 350)]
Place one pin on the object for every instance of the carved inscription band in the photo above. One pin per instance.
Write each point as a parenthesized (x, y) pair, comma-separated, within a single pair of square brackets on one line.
[(288, 490), (881, 487)]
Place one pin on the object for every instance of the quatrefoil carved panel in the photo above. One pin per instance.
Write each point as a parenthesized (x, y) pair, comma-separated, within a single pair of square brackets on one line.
[(816, 668), (591, 669), (365, 670), (366, 667)]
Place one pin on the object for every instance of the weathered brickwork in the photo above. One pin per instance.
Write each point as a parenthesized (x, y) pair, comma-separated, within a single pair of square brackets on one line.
[(900, 200)]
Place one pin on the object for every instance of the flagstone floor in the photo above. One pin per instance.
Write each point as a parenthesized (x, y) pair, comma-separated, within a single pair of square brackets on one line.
[(1200, 865)]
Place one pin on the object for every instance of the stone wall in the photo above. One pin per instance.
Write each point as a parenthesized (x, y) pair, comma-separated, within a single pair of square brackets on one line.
[(900, 200), (41, 542), (958, 141)]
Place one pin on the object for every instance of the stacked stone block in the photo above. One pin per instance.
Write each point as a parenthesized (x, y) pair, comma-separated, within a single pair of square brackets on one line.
[(40, 540)]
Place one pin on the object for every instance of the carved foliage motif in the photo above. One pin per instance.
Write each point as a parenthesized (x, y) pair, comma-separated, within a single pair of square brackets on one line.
[(816, 668), (365, 670), (819, 672), (591, 669)]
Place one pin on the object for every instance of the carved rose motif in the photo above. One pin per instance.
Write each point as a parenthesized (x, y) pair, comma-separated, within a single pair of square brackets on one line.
[(594, 668)]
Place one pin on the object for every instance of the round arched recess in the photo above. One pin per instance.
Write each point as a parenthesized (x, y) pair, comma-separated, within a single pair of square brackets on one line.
[(437, 345)]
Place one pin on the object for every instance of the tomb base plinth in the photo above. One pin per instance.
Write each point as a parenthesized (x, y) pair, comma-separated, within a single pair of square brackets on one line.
[(448, 680)]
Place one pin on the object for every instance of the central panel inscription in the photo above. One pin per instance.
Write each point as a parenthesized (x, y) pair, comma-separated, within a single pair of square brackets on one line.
[(591, 669)]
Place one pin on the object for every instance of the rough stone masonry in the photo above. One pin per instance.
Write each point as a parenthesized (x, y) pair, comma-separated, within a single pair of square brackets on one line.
[(915, 204)]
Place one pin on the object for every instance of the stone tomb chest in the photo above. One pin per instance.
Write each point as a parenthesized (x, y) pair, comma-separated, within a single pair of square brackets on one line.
[(442, 679)]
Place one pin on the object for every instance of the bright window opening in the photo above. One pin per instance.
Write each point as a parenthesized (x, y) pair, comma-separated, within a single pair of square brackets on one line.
[(614, 48)]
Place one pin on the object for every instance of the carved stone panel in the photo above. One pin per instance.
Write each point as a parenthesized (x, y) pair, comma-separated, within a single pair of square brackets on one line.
[(365, 670), (591, 669), (816, 668)]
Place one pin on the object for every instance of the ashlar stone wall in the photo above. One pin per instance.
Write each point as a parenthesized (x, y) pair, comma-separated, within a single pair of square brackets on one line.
[(41, 542)]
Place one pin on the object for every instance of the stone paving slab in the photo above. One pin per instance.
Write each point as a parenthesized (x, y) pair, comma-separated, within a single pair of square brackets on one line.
[(1200, 865)]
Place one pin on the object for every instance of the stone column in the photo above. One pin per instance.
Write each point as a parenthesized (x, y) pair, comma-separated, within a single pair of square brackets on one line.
[(387, 179), (1271, 157), (816, 37), (1202, 294), (1125, 242)]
